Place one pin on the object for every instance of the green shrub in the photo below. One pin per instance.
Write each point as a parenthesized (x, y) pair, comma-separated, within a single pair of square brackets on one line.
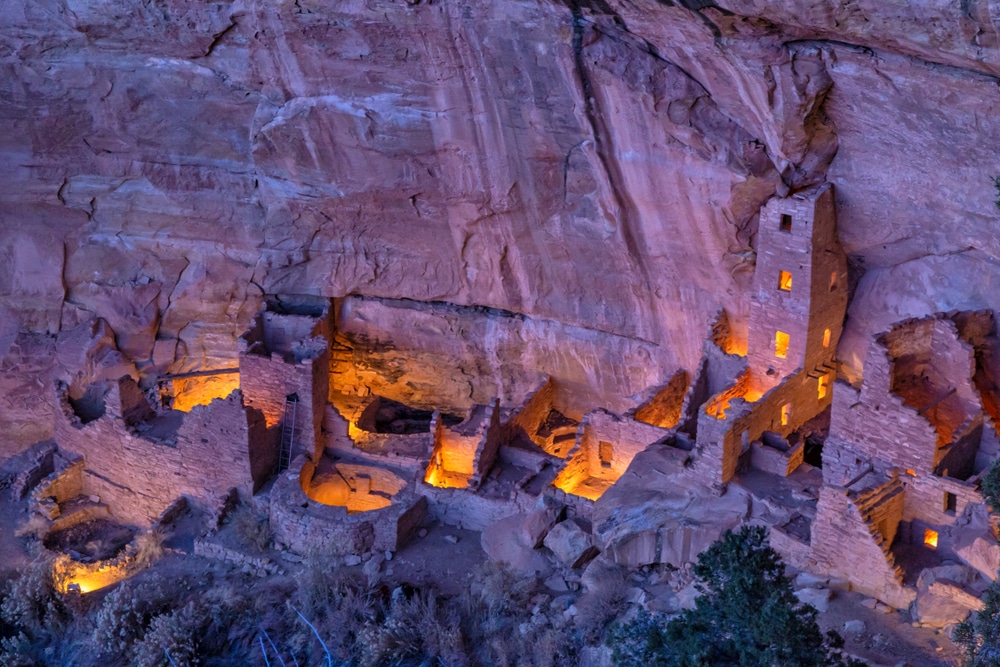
[(979, 636), (127, 611), (990, 487), (253, 529), (639, 643), (175, 633)]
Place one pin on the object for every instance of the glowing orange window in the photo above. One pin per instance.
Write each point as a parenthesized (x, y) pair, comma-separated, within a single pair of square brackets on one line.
[(823, 385), (785, 281), (786, 413), (833, 281), (826, 338), (931, 538), (780, 344)]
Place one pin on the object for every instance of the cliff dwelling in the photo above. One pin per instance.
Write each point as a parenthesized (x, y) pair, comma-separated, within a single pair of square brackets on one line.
[(441, 332)]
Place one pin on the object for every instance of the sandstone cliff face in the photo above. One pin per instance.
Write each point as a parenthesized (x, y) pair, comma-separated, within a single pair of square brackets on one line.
[(589, 164)]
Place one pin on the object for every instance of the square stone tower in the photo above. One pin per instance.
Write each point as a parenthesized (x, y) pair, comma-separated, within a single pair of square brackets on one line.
[(800, 288)]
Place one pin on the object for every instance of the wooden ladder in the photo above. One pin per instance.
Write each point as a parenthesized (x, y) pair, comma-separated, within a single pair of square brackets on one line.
[(287, 432)]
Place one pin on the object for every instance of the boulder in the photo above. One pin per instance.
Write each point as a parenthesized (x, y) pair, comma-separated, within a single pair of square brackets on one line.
[(855, 627), (981, 552), (539, 521), (817, 598), (571, 544), (808, 580), (657, 512), (503, 543), (946, 595)]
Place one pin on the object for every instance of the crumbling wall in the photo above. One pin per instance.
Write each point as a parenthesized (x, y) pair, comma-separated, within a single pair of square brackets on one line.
[(876, 427), (526, 422), (463, 454), (783, 409), (664, 409), (137, 478), (267, 381), (843, 546), (776, 458)]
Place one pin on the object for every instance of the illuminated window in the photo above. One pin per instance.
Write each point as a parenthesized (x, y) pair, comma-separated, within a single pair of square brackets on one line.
[(950, 502), (911, 473), (931, 538), (833, 281), (786, 412), (786, 222), (826, 338), (785, 281), (606, 453), (780, 344), (823, 385)]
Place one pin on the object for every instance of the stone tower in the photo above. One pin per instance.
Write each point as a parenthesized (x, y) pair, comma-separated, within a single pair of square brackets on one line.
[(800, 288)]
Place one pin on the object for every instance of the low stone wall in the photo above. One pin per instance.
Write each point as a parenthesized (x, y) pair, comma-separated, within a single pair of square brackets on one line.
[(306, 527), (259, 565), (471, 511)]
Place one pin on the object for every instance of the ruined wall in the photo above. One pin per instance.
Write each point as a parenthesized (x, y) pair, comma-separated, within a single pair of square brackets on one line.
[(877, 428), (311, 528), (266, 382), (138, 478), (782, 462), (722, 441), (625, 436), (665, 408), (843, 546), (926, 505)]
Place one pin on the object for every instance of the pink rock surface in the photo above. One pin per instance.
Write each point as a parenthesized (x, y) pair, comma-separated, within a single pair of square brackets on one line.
[(598, 171)]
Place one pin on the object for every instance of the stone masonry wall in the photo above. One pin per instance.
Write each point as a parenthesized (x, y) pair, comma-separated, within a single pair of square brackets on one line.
[(626, 436), (307, 527), (722, 441), (843, 547), (877, 427), (817, 300), (266, 382), (138, 478)]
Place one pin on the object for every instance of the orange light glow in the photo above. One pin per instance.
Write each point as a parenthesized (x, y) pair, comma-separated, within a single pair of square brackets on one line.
[(826, 338), (781, 344), (743, 388), (786, 411), (202, 390), (823, 385), (931, 538), (785, 281), (88, 577), (911, 473)]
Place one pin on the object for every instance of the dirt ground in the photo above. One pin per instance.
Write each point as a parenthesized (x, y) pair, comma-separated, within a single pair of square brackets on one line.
[(889, 639)]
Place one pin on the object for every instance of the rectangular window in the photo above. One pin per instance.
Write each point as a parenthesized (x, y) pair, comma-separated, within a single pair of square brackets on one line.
[(606, 453), (931, 538), (826, 338), (786, 222), (786, 413), (833, 281), (823, 384), (950, 502), (785, 281), (780, 344)]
